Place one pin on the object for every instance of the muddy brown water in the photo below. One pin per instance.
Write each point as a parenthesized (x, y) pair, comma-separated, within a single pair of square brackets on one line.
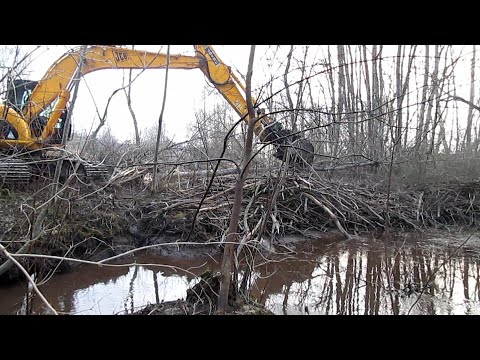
[(405, 275)]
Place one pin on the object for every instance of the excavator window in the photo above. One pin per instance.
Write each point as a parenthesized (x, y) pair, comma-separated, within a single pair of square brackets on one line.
[(7, 132), (58, 133), (18, 92)]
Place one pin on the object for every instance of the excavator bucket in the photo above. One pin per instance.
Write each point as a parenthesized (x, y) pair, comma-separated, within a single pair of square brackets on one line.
[(300, 152)]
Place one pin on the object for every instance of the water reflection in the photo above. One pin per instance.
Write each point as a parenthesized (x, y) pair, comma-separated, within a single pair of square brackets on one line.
[(107, 290), (376, 278), (325, 277)]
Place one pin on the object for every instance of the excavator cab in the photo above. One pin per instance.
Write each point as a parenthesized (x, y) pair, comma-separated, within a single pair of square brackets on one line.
[(18, 95), (18, 92)]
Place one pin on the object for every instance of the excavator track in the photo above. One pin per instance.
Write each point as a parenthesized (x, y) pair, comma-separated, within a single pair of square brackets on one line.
[(14, 171), (95, 172)]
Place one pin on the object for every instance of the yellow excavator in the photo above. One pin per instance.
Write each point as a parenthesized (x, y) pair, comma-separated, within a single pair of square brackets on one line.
[(34, 114)]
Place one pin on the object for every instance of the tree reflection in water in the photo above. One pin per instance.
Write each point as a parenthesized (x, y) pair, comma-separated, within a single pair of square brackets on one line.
[(372, 278)]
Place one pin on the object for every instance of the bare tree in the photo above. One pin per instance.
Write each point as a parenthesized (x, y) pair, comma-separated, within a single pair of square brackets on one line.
[(128, 95), (293, 124), (433, 93), (160, 121), (421, 115), (402, 86), (231, 237), (468, 130), (342, 99)]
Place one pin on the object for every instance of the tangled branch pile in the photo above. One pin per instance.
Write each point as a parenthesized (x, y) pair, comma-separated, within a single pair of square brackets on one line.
[(272, 207), (298, 203)]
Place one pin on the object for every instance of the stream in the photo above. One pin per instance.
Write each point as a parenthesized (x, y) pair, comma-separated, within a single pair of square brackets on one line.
[(407, 274)]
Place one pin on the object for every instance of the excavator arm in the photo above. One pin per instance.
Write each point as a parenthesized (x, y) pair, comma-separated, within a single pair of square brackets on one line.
[(54, 90), (228, 84), (225, 81)]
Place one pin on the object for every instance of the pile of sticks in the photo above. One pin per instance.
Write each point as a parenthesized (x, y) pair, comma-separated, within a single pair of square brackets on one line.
[(293, 204)]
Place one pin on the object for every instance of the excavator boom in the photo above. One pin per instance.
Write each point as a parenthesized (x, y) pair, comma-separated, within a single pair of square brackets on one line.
[(60, 74), (227, 83)]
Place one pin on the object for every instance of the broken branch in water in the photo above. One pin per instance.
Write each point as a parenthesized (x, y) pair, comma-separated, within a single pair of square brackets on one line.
[(29, 278)]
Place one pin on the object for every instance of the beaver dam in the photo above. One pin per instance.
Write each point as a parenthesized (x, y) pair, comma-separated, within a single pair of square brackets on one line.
[(298, 233)]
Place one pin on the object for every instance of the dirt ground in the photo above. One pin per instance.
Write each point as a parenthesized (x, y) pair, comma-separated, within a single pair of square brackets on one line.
[(182, 307)]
